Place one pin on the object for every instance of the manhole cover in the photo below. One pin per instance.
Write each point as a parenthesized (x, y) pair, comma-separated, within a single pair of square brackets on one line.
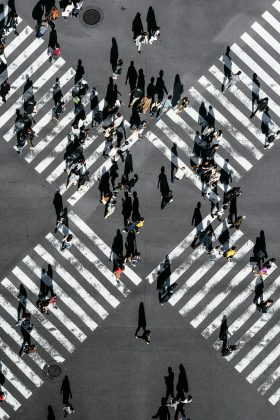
[(54, 371), (91, 16)]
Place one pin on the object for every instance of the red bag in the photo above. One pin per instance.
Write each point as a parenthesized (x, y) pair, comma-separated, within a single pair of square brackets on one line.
[(56, 52), (2, 396)]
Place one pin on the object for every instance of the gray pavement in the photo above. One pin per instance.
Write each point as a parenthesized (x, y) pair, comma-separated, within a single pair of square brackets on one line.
[(111, 373)]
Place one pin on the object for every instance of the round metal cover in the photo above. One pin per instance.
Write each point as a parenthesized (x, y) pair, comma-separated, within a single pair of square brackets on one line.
[(91, 16), (54, 371)]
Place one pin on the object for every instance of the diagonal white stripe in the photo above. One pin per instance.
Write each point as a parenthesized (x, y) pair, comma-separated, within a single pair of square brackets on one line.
[(86, 274), (35, 290), (18, 385), (237, 135), (69, 279), (101, 244)]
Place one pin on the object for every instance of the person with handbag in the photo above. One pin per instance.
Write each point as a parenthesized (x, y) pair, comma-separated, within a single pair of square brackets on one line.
[(55, 53)]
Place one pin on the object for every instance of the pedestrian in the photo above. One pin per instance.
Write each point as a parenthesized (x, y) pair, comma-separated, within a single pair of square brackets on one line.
[(22, 299), (181, 105), (223, 336), (126, 208), (118, 268), (141, 39), (165, 105), (234, 78), (229, 254), (233, 211), (155, 35), (67, 241), (41, 28), (118, 69), (259, 286), (145, 104), (135, 96), (145, 336), (261, 106), (68, 10), (4, 90), (155, 107), (130, 184), (57, 110), (78, 5), (55, 54), (26, 328), (13, 22)]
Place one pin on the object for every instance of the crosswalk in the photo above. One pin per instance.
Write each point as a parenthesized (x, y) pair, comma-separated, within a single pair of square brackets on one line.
[(199, 298), (85, 297), (83, 300)]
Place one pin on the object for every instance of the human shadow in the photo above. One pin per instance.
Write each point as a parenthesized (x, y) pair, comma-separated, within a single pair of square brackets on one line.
[(197, 216), (174, 161), (110, 92), (51, 415), (169, 382), (141, 81), (131, 76), (259, 286), (117, 246), (210, 118), (104, 184), (114, 174), (126, 208), (163, 186), (227, 67), (141, 319), (80, 71), (151, 89), (202, 114), (137, 26), (57, 92), (65, 390), (38, 12), (58, 204), (151, 21), (28, 89), (160, 86), (255, 91), (224, 236), (226, 175), (163, 411), (164, 273), (182, 384), (178, 90), (128, 164), (259, 250), (53, 38), (114, 54), (135, 216), (130, 246)]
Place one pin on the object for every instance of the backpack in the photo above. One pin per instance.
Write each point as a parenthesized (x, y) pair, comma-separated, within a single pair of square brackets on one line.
[(30, 349), (55, 13)]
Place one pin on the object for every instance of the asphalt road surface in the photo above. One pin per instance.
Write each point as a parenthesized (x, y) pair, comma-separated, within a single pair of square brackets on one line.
[(91, 334)]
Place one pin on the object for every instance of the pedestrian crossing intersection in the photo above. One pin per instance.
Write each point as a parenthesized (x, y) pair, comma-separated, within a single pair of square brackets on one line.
[(85, 297), (83, 300), (199, 298), (242, 146)]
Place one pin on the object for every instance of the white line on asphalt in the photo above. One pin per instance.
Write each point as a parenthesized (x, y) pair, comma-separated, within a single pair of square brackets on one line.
[(114, 302), (35, 290), (237, 135), (77, 287), (133, 277), (233, 110), (18, 385), (49, 327)]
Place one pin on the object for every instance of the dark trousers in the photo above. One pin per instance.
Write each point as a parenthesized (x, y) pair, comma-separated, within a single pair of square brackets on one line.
[(26, 341)]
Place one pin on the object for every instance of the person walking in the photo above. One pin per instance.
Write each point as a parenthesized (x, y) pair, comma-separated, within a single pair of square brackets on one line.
[(4, 90), (26, 328), (223, 335), (126, 208), (166, 104), (261, 106), (234, 78), (67, 242), (155, 35), (22, 299), (141, 39), (118, 69), (169, 381)]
